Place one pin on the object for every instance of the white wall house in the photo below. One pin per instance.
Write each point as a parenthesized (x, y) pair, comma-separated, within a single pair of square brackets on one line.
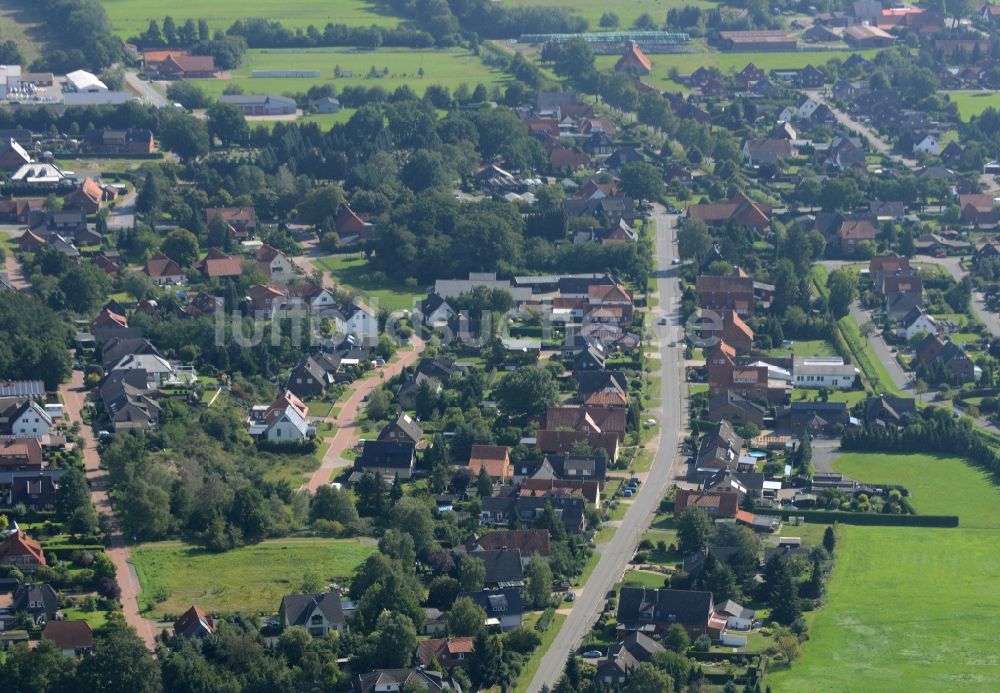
[(823, 371), (928, 145), (32, 421), (918, 323)]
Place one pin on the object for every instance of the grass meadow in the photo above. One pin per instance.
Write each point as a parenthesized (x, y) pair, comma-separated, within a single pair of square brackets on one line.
[(909, 608), (131, 17), (250, 580), (973, 103), (352, 272), (591, 10)]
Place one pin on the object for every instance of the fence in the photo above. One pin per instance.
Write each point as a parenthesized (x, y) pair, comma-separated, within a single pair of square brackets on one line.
[(869, 519)]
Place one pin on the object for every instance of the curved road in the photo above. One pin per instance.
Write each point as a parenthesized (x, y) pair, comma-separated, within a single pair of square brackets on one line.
[(617, 553)]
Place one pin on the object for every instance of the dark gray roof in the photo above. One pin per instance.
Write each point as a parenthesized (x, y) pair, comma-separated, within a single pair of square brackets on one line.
[(408, 425), (381, 453), (116, 348), (299, 607), (639, 605), (36, 599), (395, 679), (503, 567), (497, 603)]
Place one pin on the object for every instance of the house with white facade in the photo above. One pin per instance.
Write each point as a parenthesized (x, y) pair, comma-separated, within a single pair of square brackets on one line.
[(917, 321), (286, 420), (823, 371), (158, 370), (23, 417), (928, 145)]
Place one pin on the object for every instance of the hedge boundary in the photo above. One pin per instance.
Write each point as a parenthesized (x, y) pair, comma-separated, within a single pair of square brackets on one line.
[(867, 519)]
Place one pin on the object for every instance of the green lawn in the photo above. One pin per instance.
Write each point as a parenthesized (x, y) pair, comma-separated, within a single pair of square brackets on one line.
[(643, 578), (905, 607), (531, 666), (324, 120), (131, 17), (591, 10), (249, 580), (972, 104), (97, 618), (805, 347), (448, 67), (872, 369), (352, 273)]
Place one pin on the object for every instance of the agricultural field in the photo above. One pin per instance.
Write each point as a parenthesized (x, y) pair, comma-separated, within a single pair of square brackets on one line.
[(686, 63), (251, 579), (448, 67), (131, 17), (973, 103), (22, 23), (591, 10), (905, 605)]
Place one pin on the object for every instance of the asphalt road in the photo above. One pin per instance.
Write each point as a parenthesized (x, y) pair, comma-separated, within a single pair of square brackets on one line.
[(618, 551), (146, 91)]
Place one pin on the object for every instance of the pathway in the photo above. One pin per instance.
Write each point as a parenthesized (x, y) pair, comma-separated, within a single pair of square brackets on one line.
[(146, 90), (618, 551), (346, 422), (74, 397)]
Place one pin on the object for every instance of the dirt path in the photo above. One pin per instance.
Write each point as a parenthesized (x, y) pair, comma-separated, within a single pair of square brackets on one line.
[(346, 422), (74, 396)]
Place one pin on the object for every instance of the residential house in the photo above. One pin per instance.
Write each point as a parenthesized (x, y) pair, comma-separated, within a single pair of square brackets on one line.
[(928, 145), (728, 293), (569, 467), (587, 419), (394, 680), (504, 568), (767, 151), (744, 484), (500, 510), (824, 372), (286, 420), (435, 311), (719, 506), (407, 393), (739, 208), (14, 156), (637, 648), (36, 490), (979, 210), (889, 410), (446, 652), (495, 459), (865, 36), (20, 454), (737, 616), (621, 156), (721, 448), (634, 62), (733, 332), (352, 226), (852, 231), (124, 394), (916, 322), (40, 602), (504, 608), (218, 265), (311, 376), (157, 369), (241, 221), (828, 418), (163, 271), (89, 197), (654, 610), (386, 458), (193, 623), (178, 64), (22, 552), (403, 430), (732, 407), (726, 374), (24, 417), (263, 300), (121, 141), (903, 291), (529, 542), (948, 356), (276, 264), (21, 211), (73, 638), (319, 612)]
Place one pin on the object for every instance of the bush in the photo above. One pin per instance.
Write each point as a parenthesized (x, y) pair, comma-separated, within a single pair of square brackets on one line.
[(545, 620), (522, 640)]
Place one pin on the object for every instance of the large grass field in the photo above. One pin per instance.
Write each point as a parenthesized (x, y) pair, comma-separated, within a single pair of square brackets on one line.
[(591, 10), (352, 272), (250, 580), (131, 17), (907, 607), (448, 67), (973, 103)]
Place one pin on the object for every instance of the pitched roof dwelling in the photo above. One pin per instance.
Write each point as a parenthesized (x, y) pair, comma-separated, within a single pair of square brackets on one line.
[(89, 197), (495, 459), (74, 638), (390, 680), (447, 652), (634, 62), (14, 156), (319, 612), (979, 210), (286, 420), (530, 542), (735, 408), (403, 430), (40, 602), (853, 231), (22, 552), (20, 454), (503, 568), (164, 271), (739, 208), (655, 610), (572, 467), (218, 265), (500, 510), (29, 241), (242, 221), (731, 292), (386, 458), (193, 623), (550, 485), (349, 223), (504, 608), (586, 419), (719, 506), (888, 410), (764, 151), (637, 648), (562, 442)]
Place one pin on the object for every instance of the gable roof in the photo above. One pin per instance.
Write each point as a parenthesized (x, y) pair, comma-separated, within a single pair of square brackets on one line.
[(495, 459), (527, 541), (503, 567), (193, 622), (162, 266), (69, 635), (410, 427), (297, 608), (20, 544), (638, 605)]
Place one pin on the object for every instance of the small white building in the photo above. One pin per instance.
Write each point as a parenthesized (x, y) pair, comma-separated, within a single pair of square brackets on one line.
[(83, 81), (917, 322), (823, 371), (928, 145), (159, 371), (286, 420)]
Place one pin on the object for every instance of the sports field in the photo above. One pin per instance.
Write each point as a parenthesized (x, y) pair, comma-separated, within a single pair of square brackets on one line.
[(448, 67), (248, 580), (910, 608), (131, 17), (973, 103)]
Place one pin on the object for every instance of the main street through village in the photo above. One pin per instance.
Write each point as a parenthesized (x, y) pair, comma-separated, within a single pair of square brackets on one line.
[(667, 463)]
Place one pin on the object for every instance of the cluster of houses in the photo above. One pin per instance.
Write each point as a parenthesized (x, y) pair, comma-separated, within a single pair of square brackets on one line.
[(28, 430)]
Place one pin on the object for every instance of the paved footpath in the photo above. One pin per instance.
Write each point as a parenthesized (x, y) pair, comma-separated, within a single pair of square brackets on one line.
[(74, 397)]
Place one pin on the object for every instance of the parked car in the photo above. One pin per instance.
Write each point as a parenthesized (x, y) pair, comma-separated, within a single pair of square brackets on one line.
[(592, 654), (571, 596), (628, 493)]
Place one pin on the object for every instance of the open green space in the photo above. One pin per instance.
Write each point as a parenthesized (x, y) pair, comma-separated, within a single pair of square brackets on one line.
[(22, 22), (643, 578), (905, 605), (250, 580), (352, 272), (131, 17), (872, 369), (591, 10), (973, 103), (446, 67), (531, 666)]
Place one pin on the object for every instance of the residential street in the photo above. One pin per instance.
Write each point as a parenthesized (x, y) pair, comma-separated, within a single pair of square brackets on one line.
[(74, 396), (616, 554), (146, 91)]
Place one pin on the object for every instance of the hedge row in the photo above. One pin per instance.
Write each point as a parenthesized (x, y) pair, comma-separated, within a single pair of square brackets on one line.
[(883, 519)]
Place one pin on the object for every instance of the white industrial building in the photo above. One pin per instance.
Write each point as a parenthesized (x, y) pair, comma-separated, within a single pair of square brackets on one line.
[(10, 78), (823, 371), (83, 81)]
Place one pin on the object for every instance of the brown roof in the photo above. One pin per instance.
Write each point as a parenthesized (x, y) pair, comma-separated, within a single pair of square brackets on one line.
[(588, 489), (634, 54), (69, 635), (162, 266), (609, 293), (981, 203), (528, 541), (20, 544), (596, 419), (606, 399), (739, 207), (188, 63), (731, 319), (16, 451), (857, 229), (563, 157), (444, 648), (730, 284), (718, 504), (190, 618), (563, 441), (494, 458), (218, 264)]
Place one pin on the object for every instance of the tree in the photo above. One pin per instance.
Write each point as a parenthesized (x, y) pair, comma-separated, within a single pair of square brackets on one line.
[(539, 582), (442, 592), (829, 540), (399, 546), (959, 9), (120, 662), (527, 391), (486, 659), (803, 455), (471, 573), (73, 493), (642, 180), (181, 246), (397, 639), (609, 20), (779, 586), (333, 504), (226, 122), (484, 484), (412, 516), (843, 289), (188, 94), (676, 639), (466, 618), (84, 287), (694, 527), (646, 678), (693, 240)]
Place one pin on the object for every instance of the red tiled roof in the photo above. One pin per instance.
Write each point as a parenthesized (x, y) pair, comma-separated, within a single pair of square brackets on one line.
[(494, 458), (528, 541), (69, 635), (18, 451), (20, 544)]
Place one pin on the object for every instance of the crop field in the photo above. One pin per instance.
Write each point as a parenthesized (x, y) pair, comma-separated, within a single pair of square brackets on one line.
[(131, 17), (591, 10), (905, 605), (251, 579), (973, 103), (447, 67)]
